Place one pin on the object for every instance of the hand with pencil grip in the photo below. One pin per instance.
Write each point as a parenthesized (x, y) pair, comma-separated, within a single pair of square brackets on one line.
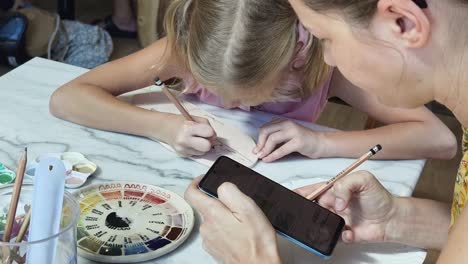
[(189, 138), (188, 135), (367, 207), (235, 230)]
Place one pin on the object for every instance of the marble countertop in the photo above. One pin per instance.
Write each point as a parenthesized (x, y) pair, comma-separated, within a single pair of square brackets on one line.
[(25, 121)]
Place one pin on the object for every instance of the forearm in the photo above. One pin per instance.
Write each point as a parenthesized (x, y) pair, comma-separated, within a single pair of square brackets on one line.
[(94, 107), (455, 251), (409, 140), (419, 222)]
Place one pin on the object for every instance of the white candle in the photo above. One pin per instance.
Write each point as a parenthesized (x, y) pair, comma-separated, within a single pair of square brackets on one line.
[(49, 187)]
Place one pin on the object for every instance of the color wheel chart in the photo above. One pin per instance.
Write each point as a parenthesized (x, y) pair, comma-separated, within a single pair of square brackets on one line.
[(123, 222)]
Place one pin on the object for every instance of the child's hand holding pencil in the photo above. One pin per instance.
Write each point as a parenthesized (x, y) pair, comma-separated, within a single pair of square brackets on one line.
[(195, 136)]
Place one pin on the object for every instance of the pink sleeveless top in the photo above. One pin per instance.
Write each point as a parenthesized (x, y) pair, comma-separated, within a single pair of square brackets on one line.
[(302, 109)]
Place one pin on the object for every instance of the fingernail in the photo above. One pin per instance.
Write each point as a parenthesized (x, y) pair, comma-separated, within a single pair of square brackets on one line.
[(339, 204), (255, 150), (260, 154)]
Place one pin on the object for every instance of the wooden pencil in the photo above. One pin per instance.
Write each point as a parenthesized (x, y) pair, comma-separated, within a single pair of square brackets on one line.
[(174, 100), (181, 108), (24, 226), (344, 172), (15, 196)]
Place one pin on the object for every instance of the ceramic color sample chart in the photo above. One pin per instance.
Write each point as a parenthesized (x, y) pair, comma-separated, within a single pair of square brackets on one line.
[(131, 222)]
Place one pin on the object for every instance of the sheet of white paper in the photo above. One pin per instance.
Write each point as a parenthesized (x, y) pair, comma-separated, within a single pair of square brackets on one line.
[(231, 142)]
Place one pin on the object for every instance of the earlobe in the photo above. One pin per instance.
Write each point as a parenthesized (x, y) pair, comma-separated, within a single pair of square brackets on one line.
[(410, 22)]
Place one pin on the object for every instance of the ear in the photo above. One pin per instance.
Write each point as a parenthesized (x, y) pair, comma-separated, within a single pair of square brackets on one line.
[(409, 22)]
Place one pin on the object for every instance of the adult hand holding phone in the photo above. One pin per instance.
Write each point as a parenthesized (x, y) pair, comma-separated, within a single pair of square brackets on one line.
[(234, 228), (367, 207)]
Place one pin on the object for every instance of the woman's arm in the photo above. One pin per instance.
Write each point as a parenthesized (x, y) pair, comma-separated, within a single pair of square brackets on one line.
[(455, 251), (420, 223), (90, 100), (408, 133), (373, 215)]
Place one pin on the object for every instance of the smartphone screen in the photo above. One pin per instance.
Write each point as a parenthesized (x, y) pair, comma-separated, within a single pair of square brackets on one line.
[(300, 220)]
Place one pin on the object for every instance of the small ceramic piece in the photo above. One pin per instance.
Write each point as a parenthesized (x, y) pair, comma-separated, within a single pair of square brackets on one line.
[(73, 157), (6, 176), (78, 167)]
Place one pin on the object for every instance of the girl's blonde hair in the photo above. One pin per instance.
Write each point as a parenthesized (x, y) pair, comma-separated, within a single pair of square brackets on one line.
[(239, 44)]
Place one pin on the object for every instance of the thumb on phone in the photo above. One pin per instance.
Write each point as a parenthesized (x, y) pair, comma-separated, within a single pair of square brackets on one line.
[(242, 206)]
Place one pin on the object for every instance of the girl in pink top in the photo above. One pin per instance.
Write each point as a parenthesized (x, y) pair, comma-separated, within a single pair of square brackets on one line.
[(245, 54), (307, 109)]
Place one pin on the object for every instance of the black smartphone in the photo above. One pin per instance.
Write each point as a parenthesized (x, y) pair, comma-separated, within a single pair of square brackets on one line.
[(300, 220)]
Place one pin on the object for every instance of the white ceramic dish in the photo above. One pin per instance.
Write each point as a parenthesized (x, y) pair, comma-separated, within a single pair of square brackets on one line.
[(78, 167), (7, 176), (125, 222)]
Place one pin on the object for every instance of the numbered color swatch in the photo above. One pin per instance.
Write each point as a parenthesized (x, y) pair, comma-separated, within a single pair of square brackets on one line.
[(131, 222)]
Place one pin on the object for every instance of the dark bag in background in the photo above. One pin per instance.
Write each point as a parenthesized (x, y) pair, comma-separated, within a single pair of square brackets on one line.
[(45, 34), (13, 28), (6, 5)]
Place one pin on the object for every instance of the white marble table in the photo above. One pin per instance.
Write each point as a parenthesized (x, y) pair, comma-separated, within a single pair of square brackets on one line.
[(25, 121)]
